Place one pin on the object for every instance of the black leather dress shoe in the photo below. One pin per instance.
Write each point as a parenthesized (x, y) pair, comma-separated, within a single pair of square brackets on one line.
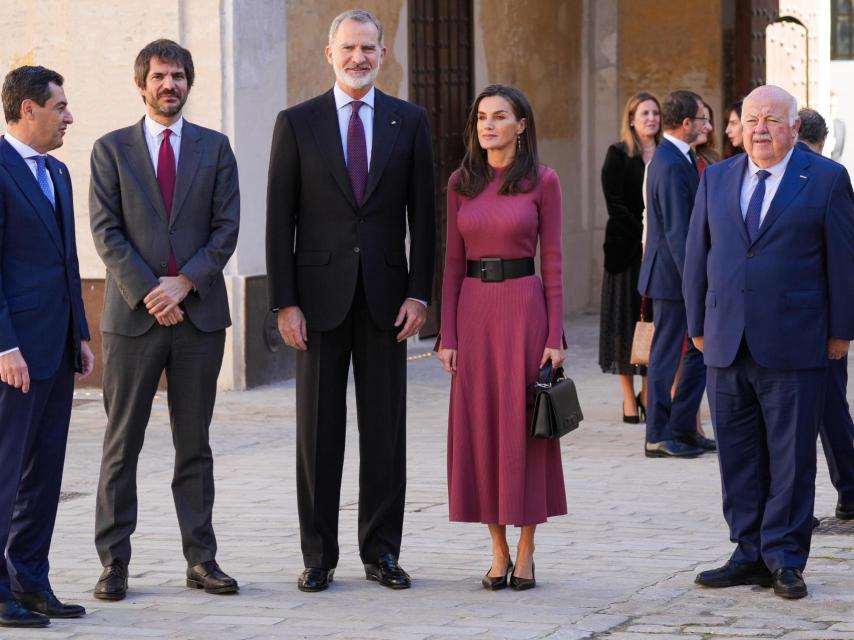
[(697, 441), (816, 523), (844, 511), (789, 583), (208, 576), (388, 573), (670, 449), (523, 584), (315, 579), (735, 573), (113, 583), (14, 614), (496, 584), (47, 604)]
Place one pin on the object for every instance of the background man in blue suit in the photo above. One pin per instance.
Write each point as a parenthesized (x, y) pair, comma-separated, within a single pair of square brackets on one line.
[(43, 339), (770, 297), (671, 428), (836, 429)]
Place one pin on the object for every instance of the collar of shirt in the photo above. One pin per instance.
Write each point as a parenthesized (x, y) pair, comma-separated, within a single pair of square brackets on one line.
[(154, 128), (772, 182), (343, 100), (153, 138), (776, 171), (683, 146), (27, 153)]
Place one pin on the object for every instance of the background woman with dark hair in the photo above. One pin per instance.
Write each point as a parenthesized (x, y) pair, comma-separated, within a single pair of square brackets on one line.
[(500, 324), (622, 184), (733, 143), (704, 145)]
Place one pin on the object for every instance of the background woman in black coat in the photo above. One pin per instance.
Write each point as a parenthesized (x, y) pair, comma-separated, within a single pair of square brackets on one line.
[(622, 184)]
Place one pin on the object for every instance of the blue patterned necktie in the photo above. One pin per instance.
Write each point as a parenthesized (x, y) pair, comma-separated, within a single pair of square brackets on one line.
[(44, 181), (754, 207)]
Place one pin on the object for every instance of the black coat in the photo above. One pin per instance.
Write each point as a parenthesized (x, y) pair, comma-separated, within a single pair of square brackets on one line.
[(317, 235), (622, 184)]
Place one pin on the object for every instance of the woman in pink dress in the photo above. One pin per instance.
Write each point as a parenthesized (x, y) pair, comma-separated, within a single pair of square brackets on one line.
[(500, 324)]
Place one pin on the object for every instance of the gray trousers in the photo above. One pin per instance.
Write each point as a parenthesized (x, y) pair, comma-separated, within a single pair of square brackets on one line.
[(132, 370)]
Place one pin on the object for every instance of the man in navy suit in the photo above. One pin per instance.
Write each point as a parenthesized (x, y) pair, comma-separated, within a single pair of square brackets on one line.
[(43, 339), (770, 298), (671, 428), (836, 429)]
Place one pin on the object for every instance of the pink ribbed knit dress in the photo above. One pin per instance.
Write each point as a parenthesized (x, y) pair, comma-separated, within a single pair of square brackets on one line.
[(496, 473)]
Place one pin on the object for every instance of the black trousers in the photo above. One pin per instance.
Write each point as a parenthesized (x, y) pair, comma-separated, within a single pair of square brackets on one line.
[(379, 370), (132, 370)]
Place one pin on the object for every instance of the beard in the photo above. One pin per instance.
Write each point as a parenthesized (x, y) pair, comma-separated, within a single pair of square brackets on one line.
[(357, 82), (164, 109)]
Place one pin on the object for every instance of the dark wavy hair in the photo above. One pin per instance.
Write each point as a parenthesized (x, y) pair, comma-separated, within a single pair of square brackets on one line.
[(523, 173), (167, 51), (27, 83)]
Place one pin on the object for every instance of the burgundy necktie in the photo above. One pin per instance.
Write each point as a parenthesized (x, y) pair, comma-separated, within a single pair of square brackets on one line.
[(166, 181), (357, 153)]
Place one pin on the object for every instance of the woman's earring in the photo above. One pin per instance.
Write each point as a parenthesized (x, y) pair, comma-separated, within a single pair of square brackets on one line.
[(518, 143)]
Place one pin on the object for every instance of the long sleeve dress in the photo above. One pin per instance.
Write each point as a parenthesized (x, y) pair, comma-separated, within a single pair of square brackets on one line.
[(496, 472), (622, 185)]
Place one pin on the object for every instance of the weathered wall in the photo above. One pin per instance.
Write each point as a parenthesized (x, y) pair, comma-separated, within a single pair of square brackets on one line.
[(540, 52), (672, 44), (309, 74)]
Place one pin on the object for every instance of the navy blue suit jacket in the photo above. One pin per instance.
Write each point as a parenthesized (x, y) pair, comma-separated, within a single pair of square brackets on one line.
[(671, 184), (790, 289), (40, 298)]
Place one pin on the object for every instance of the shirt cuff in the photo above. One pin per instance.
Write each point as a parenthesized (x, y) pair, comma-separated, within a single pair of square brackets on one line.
[(424, 302), (3, 353)]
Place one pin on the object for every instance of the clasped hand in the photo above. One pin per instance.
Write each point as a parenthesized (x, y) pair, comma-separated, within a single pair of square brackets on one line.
[(163, 300)]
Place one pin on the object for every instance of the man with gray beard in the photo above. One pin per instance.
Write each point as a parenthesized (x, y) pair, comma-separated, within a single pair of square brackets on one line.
[(348, 170)]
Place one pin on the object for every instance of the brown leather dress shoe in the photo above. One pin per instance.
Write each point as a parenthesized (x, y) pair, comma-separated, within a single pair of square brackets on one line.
[(14, 614), (388, 573), (47, 604), (208, 576), (113, 583)]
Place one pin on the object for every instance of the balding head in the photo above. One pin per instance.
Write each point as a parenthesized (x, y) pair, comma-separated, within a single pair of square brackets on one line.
[(769, 116)]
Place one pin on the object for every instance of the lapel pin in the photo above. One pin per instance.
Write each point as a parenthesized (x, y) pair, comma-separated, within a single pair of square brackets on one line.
[(60, 170), (803, 177), (393, 122)]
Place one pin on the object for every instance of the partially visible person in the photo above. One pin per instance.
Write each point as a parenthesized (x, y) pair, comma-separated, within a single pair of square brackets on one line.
[(836, 428), (622, 185), (164, 208), (43, 339), (704, 145), (500, 325), (770, 298), (672, 180), (733, 143)]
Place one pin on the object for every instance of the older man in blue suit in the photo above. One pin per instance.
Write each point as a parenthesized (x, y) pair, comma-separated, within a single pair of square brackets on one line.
[(671, 428), (770, 299), (43, 339)]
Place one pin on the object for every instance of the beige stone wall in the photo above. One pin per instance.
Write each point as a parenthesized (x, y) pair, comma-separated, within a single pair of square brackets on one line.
[(93, 45), (671, 44), (309, 74), (539, 50)]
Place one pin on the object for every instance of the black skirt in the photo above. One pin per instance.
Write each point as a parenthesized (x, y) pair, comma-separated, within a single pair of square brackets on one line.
[(619, 312)]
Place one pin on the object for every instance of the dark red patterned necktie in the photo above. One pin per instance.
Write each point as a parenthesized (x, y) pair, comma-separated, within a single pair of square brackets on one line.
[(166, 172), (357, 153)]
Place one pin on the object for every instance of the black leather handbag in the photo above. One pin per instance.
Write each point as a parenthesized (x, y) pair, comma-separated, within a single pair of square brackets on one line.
[(556, 407)]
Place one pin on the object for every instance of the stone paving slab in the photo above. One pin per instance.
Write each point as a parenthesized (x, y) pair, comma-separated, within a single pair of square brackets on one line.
[(619, 566)]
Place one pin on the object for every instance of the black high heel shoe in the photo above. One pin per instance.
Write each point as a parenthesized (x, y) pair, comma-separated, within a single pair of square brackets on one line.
[(641, 408), (523, 584), (630, 419), (496, 584)]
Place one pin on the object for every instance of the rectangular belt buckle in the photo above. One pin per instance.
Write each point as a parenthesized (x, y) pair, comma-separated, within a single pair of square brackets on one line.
[(491, 270)]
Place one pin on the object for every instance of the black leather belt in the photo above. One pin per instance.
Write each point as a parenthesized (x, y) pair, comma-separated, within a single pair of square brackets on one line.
[(498, 269)]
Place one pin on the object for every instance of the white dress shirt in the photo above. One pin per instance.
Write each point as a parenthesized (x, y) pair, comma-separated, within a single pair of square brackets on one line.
[(366, 113), (683, 146), (154, 138), (29, 155), (772, 182)]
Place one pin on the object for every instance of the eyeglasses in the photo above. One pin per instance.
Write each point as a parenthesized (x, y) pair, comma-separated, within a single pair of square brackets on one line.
[(703, 118)]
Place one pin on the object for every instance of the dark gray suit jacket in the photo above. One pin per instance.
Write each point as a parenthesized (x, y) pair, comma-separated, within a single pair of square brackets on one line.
[(133, 234)]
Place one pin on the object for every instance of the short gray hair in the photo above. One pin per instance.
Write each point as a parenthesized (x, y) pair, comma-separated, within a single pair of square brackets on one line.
[(359, 15)]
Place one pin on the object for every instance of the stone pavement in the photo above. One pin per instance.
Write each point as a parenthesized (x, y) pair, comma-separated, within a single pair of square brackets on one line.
[(619, 566)]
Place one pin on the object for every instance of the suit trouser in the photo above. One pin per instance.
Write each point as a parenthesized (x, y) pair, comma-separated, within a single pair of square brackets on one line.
[(837, 432), (132, 370), (665, 417), (379, 371), (766, 423), (33, 435)]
